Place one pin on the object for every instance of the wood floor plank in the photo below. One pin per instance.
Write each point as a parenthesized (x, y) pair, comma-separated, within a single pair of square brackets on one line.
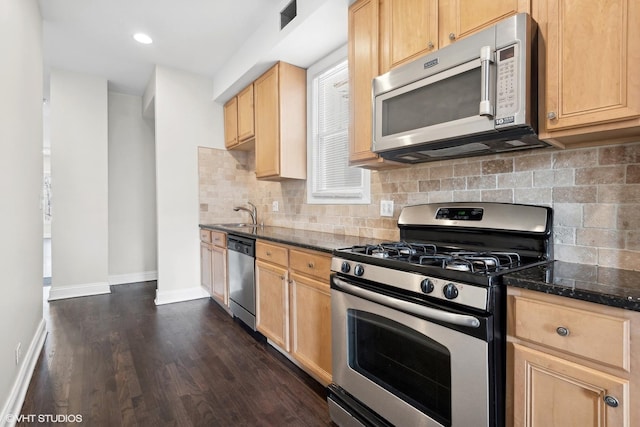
[(119, 360)]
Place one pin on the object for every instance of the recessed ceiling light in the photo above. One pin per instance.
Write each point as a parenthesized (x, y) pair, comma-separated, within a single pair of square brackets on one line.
[(142, 38)]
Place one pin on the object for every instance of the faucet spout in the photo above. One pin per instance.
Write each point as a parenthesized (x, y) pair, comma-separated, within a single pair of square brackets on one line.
[(253, 212)]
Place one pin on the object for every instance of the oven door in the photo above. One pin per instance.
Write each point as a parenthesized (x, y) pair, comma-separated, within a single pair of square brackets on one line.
[(408, 369)]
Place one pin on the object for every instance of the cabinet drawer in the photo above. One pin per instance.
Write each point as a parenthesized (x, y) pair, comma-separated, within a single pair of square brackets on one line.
[(219, 238), (205, 236), (272, 253), (587, 334), (313, 264)]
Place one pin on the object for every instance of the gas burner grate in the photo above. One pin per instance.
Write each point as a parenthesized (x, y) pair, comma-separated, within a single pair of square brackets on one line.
[(429, 254), (474, 262), (399, 250)]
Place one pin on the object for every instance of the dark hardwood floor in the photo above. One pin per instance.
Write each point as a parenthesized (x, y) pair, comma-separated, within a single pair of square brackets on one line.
[(119, 360)]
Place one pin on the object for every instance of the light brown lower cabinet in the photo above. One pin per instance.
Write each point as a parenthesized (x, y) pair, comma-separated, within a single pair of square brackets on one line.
[(272, 303), (311, 325), (556, 392), (293, 305), (571, 363), (213, 265)]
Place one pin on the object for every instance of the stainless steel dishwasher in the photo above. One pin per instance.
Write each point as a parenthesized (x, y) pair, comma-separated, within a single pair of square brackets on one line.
[(242, 289)]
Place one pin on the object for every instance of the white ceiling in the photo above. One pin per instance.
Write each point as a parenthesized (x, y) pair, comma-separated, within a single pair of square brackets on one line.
[(95, 36)]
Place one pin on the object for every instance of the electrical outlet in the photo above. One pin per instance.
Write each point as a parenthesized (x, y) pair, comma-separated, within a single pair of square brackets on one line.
[(386, 207), (18, 353), (274, 206)]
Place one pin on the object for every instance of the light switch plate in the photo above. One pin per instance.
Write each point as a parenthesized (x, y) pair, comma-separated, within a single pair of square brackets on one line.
[(386, 207), (274, 206)]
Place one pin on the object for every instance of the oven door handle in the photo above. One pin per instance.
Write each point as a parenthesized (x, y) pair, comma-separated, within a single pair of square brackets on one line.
[(431, 313)]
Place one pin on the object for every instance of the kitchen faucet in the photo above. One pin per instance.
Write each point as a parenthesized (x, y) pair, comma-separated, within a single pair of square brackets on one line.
[(253, 212)]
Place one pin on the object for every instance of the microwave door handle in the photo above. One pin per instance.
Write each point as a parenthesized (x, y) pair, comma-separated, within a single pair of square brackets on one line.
[(486, 58), (431, 313)]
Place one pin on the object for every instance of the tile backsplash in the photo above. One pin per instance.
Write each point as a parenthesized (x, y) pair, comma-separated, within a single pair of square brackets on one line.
[(595, 194)]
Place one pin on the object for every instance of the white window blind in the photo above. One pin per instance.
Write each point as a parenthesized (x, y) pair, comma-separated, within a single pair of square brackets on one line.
[(332, 180)]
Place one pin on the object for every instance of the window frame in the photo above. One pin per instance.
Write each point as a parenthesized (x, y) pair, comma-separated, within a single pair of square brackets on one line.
[(321, 66)]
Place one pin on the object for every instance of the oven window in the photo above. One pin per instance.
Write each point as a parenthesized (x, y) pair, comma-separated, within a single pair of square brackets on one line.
[(408, 364), (453, 98)]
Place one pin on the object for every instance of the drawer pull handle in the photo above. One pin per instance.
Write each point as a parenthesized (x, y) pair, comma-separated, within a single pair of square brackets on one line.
[(611, 401), (562, 331), (310, 265)]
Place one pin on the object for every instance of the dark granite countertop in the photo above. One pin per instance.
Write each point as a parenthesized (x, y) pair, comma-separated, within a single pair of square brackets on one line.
[(315, 240), (602, 285)]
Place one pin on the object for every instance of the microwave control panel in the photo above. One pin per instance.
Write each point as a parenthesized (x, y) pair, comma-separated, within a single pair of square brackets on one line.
[(507, 87)]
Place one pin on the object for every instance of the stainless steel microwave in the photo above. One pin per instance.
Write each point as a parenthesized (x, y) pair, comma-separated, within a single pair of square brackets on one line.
[(476, 96)]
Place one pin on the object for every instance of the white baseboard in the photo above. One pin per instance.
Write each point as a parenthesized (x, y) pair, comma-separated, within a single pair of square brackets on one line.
[(144, 276), (168, 297), (74, 291), (14, 402)]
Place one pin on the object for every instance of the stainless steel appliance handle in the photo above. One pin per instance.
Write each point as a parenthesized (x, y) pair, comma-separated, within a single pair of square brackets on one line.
[(486, 58), (432, 313)]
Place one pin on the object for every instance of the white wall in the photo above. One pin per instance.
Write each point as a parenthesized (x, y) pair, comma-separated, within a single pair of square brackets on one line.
[(319, 28), (132, 192), (79, 182), (185, 118), (20, 186)]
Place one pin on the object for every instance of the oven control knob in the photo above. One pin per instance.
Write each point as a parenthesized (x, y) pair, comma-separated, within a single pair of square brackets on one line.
[(450, 291), (427, 286), (358, 270), (346, 267)]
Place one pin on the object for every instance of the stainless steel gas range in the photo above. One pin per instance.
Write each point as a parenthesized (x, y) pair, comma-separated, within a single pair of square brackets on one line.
[(419, 325)]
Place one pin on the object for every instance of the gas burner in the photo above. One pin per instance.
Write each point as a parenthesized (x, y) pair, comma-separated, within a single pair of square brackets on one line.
[(396, 250), (429, 254)]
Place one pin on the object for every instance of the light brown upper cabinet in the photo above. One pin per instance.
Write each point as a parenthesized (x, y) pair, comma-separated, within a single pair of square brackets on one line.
[(246, 128), (239, 121), (409, 28), (363, 67), (460, 18), (281, 123), (231, 123), (591, 64)]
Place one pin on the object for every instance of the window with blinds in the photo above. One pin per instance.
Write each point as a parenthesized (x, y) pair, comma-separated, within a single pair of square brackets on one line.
[(331, 179)]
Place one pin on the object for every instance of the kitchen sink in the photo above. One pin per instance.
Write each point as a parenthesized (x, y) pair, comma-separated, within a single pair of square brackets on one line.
[(236, 225)]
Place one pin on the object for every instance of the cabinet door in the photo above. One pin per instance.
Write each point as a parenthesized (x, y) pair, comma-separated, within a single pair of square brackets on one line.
[(592, 67), (363, 67), (267, 124), (552, 392), (231, 123), (460, 18), (311, 335), (219, 274), (245, 114), (272, 303), (409, 28), (205, 267)]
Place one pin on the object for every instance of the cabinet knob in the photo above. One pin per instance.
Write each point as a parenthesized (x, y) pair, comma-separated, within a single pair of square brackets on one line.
[(268, 253), (430, 45), (562, 331), (611, 401), (452, 36), (281, 277), (551, 115), (310, 265)]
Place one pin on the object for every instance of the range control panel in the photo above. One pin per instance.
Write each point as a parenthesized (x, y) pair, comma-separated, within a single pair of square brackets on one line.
[(456, 292)]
